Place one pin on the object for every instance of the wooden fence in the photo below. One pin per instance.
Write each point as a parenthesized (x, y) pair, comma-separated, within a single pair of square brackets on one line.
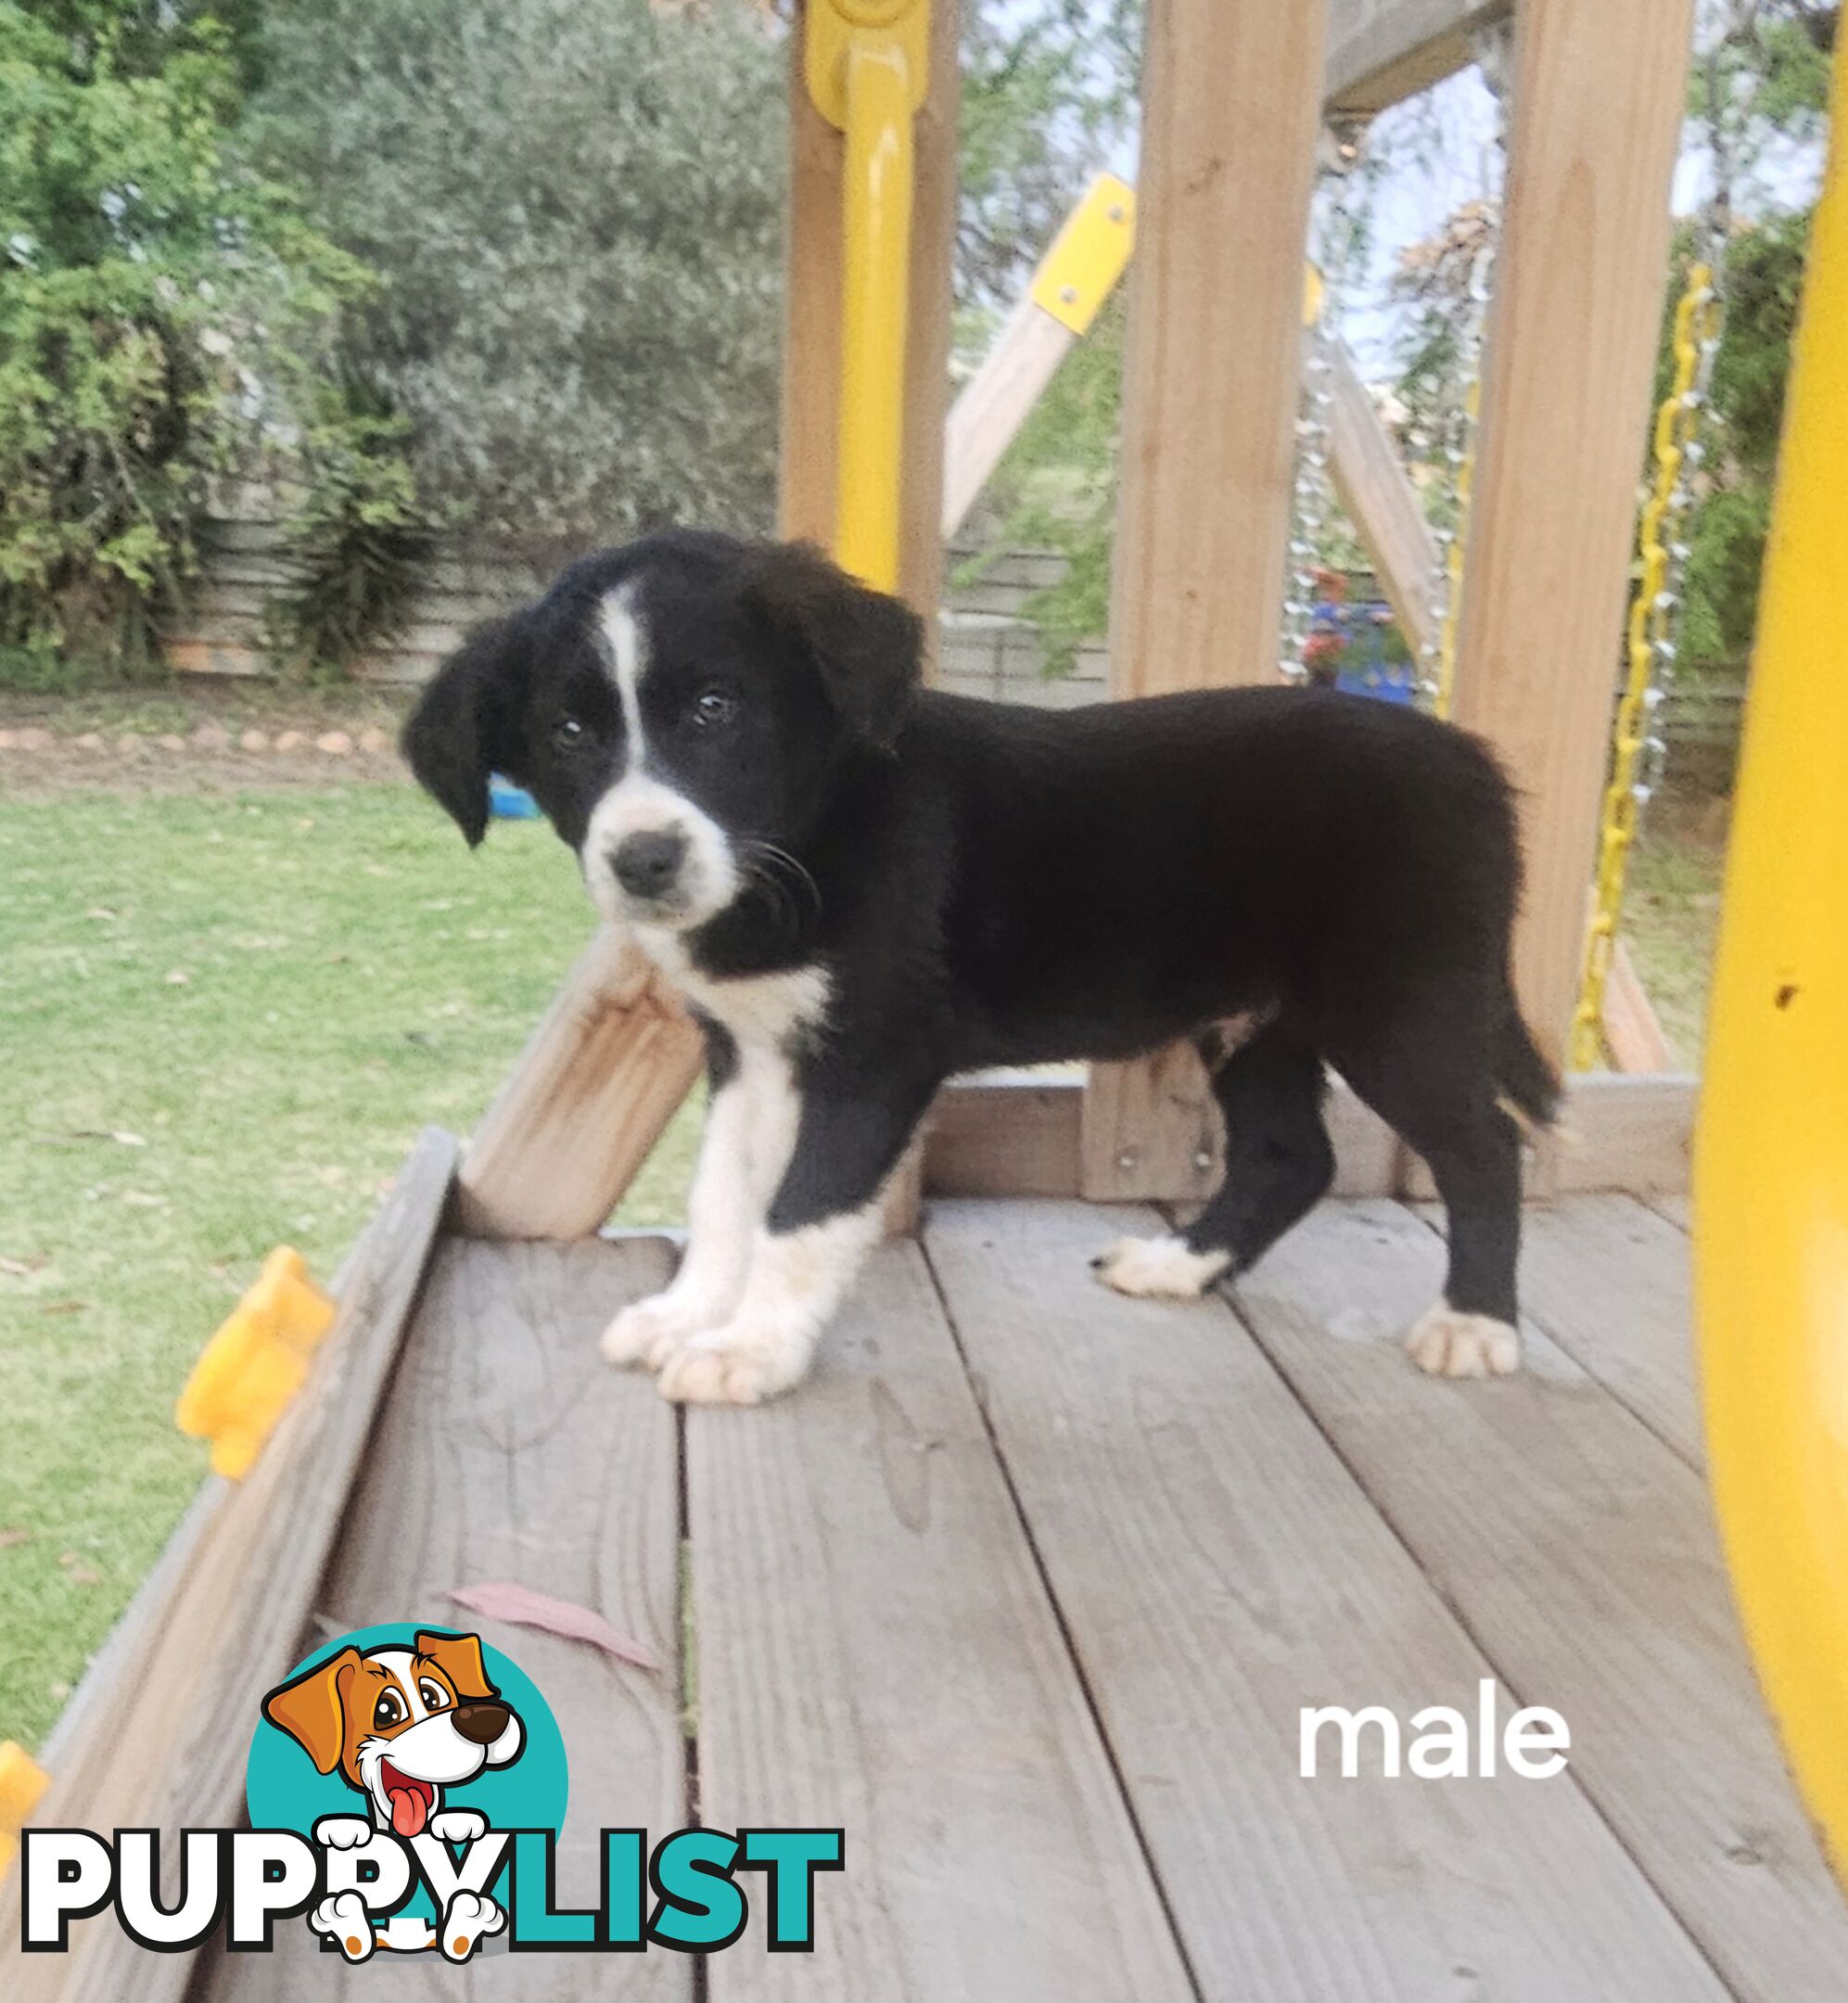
[(985, 644)]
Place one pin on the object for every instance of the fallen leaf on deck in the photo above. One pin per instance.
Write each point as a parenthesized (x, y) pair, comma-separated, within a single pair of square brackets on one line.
[(525, 1608)]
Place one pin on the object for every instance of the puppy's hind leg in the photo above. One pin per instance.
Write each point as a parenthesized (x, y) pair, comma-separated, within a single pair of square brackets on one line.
[(1278, 1165), (1434, 1080)]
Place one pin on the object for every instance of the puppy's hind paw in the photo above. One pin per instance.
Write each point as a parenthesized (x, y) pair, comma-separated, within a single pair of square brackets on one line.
[(1448, 1342), (1159, 1269)]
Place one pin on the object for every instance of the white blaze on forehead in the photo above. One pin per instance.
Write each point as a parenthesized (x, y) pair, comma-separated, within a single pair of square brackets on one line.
[(641, 803), (624, 649)]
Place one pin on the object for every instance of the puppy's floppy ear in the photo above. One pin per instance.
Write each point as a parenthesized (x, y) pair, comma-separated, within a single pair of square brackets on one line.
[(457, 734), (867, 647), (311, 1710), (460, 1659)]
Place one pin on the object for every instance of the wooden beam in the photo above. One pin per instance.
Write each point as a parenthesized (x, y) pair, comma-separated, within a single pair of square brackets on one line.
[(1372, 485), (604, 1074), (1381, 51), (1632, 1029), (149, 1747), (1232, 104), (995, 402), (1019, 1133), (1598, 99)]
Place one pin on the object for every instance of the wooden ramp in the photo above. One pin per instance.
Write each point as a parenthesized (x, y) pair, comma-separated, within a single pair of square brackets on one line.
[(1025, 1590)]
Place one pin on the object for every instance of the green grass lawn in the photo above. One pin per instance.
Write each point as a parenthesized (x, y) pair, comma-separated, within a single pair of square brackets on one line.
[(223, 1021)]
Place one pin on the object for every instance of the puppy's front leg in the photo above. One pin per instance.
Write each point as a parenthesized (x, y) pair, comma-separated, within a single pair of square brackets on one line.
[(750, 1128), (827, 1216)]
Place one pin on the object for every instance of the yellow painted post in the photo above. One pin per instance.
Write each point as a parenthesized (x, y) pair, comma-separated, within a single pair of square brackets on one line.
[(868, 64), (1771, 1172)]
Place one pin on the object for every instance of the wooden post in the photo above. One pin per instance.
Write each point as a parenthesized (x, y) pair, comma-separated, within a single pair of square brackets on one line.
[(1598, 91), (1232, 104)]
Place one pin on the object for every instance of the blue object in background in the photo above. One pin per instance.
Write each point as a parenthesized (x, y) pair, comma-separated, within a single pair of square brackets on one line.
[(508, 802)]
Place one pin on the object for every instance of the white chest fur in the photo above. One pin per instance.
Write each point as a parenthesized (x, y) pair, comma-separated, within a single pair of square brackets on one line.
[(769, 1012)]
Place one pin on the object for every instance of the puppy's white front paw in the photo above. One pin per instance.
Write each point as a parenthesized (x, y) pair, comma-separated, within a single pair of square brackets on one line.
[(458, 1825), (343, 1832), (1159, 1268), (736, 1365), (649, 1332), (1448, 1342), (344, 1919), (468, 1917)]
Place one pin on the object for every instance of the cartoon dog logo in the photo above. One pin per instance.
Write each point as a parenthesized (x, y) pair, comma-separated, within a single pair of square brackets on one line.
[(401, 1725)]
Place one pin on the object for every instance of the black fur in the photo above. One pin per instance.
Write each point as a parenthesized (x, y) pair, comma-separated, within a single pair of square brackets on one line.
[(987, 884)]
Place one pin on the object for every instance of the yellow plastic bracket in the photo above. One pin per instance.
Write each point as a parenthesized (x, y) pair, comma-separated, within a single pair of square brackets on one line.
[(1087, 258), (22, 1783), (835, 26), (255, 1363)]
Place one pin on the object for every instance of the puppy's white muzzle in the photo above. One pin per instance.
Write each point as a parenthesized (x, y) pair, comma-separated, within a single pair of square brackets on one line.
[(651, 857)]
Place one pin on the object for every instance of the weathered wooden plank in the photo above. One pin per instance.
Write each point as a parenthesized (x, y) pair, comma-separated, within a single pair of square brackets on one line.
[(157, 1754), (1371, 483), (1608, 1280), (509, 1450), (1578, 1551), (875, 1651), (1231, 105), (1379, 51), (1677, 1206), (1218, 1568), (605, 1071), (1626, 1133), (1598, 99), (994, 404)]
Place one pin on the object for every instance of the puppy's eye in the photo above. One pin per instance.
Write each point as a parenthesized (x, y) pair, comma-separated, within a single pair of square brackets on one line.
[(714, 705), (388, 1711), (568, 734), (434, 1695)]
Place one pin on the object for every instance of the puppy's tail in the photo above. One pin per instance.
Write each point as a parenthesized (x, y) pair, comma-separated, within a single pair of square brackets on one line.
[(1529, 1083)]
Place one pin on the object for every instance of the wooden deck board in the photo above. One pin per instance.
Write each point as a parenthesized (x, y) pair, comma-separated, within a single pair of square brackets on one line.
[(509, 1450), (1579, 1551), (1608, 1280), (875, 1651), (1219, 1568)]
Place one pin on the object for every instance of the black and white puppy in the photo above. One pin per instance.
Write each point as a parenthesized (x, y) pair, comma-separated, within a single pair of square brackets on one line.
[(861, 886)]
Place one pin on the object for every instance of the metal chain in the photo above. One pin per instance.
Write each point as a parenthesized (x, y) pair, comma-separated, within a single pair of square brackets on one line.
[(1638, 748), (1493, 49), (1314, 501)]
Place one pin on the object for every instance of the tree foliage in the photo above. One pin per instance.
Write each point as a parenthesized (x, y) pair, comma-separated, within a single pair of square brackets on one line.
[(575, 207), (147, 290)]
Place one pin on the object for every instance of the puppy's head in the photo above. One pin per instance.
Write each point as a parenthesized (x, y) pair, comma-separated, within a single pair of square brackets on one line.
[(401, 1724), (677, 708)]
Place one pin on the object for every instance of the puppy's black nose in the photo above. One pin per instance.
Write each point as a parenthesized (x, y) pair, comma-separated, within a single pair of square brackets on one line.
[(646, 864), (482, 1724)]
